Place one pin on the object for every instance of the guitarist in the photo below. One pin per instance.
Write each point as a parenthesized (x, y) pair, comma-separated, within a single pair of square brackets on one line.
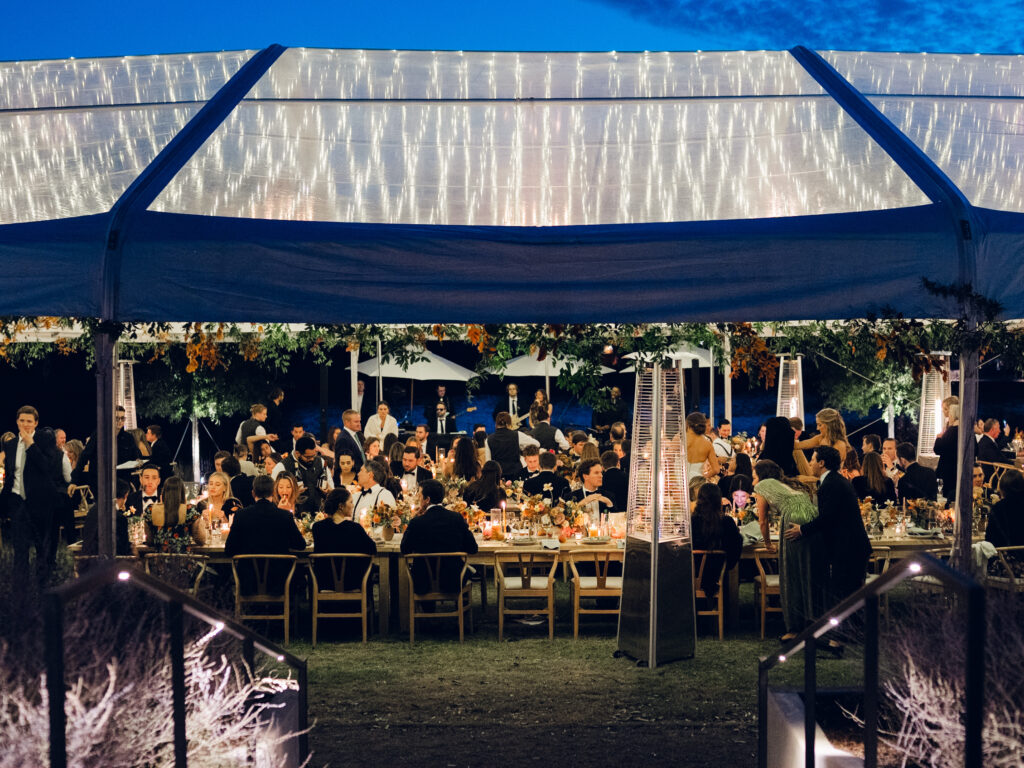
[(441, 398), (512, 406)]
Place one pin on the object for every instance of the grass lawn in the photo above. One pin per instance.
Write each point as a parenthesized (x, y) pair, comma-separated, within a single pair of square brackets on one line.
[(527, 700)]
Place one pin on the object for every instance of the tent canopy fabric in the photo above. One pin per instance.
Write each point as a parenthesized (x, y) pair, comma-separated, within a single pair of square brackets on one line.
[(414, 186)]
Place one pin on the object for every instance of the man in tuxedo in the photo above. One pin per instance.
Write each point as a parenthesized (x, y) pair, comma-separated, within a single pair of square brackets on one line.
[(408, 471), (263, 529), (159, 451), (615, 484), (890, 460), (591, 496), (531, 457), (546, 482), (444, 422), (430, 409), (125, 450), (298, 431), (149, 492), (426, 442), (988, 448), (350, 439), (847, 547), (32, 467), (511, 405), (917, 482), (550, 438), (437, 530)]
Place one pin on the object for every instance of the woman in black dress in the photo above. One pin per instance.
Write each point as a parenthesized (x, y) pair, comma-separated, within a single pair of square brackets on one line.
[(779, 445), (486, 491), (873, 482), (338, 534), (713, 530)]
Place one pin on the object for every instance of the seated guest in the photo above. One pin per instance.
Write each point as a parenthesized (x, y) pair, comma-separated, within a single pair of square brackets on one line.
[(310, 471), (242, 454), (872, 480), (273, 465), (988, 449), (1006, 521), (590, 496), (547, 483), (390, 481), (338, 534), (408, 471), (531, 457), (851, 466), (298, 431), (615, 484), (159, 452), (219, 505), (464, 461), (218, 460), (486, 491), (263, 529), (871, 443), (740, 489), (345, 473), (286, 493), (90, 529), (713, 530), (578, 441), (550, 438), (373, 447), (372, 492), (739, 464), (139, 502), (423, 440), (172, 525), (241, 485), (381, 423), (444, 422), (917, 482), (437, 530), (504, 445)]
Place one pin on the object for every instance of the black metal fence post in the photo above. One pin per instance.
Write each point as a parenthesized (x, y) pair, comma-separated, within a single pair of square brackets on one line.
[(810, 694), (54, 623), (176, 631), (871, 681), (762, 717), (303, 713), (974, 675)]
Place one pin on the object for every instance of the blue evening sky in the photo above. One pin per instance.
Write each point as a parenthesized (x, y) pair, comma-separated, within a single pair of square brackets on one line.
[(61, 28)]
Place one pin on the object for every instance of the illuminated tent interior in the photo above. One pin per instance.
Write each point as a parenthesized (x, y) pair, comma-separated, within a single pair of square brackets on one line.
[(410, 186)]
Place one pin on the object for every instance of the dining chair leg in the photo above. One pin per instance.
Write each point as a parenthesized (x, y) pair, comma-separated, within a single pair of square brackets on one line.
[(721, 616), (412, 618), (314, 619), (576, 614), (462, 619), (365, 616), (287, 618), (551, 614), (501, 615), (763, 598)]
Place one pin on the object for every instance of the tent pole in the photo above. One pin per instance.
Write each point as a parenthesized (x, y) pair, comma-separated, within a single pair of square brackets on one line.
[(727, 374), (969, 354), (711, 393), (196, 471), (323, 400), (380, 379), (353, 364), (695, 370), (105, 470)]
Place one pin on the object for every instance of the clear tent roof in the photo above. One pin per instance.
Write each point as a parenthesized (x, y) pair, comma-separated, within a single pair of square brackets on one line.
[(534, 139)]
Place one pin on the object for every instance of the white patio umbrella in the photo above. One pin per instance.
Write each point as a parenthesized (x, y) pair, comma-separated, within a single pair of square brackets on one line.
[(529, 365), (431, 368)]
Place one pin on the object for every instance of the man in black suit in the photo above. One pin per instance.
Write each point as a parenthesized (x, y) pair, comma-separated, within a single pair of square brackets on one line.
[(546, 482), (512, 405), (350, 439), (263, 529), (615, 484), (531, 456), (408, 471), (430, 409), (148, 494), (847, 547), (917, 482), (443, 421), (275, 424), (437, 530), (159, 451), (988, 448), (32, 466), (125, 450)]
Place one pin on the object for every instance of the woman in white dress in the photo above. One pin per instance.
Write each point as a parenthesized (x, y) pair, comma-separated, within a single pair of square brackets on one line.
[(699, 450), (381, 423)]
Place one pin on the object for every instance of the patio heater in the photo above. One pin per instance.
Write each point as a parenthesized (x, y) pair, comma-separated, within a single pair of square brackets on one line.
[(656, 621), (791, 388), (126, 392), (935, 387)]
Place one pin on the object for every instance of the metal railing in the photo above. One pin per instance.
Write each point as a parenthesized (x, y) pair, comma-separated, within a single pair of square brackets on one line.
[(176, 604), (867, 598)]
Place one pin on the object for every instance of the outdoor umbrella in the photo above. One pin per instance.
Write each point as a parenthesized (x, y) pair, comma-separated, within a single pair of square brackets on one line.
[(431, 368), (529, 365)]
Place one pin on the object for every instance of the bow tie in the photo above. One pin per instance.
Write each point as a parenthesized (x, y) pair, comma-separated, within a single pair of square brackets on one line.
[(149, 498)]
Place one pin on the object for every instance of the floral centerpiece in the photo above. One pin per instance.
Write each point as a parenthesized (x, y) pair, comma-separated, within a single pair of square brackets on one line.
[(136, 526), (397, 518), (305, 522), (471, 513), (453, 488), (546, 512)]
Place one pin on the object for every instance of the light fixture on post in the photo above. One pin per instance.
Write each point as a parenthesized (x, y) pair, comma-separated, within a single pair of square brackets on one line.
[(791, 388), (935, 387), (657, 623)]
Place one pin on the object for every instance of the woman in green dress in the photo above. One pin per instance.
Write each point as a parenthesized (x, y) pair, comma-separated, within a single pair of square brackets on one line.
[(802, 567)]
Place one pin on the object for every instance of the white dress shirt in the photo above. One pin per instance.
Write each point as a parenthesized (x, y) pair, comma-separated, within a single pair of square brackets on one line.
[(723, 448), (368, 500), (18, 482)]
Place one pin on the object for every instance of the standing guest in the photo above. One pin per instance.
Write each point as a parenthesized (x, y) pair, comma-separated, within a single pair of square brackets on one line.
[(550, 438), (1006, 521), (699, 450), (346, 473), (851, 466), (430, 409), (713, 530), (946, 447), (988, 448), (219, 506), (252, 432), (918, 481), (505, 444), (547, 483), (149, 491), (363, 403), (241, 485), (802, 564), (32, 467), (372, 492), (486, 491), (298, 431), (275, 422), (846, 543), (779, 445), (338, 534), (172, 525), (381, 423), (615, 482), (590, 495), (263, 529), (125, 446), (286, 492), (159, 451), (723, 443), (872, 481), (831, 432), (247, 467), (90, 528), (511, 405), (464, 462), (350, 441), (437, 530), (408, 471)]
